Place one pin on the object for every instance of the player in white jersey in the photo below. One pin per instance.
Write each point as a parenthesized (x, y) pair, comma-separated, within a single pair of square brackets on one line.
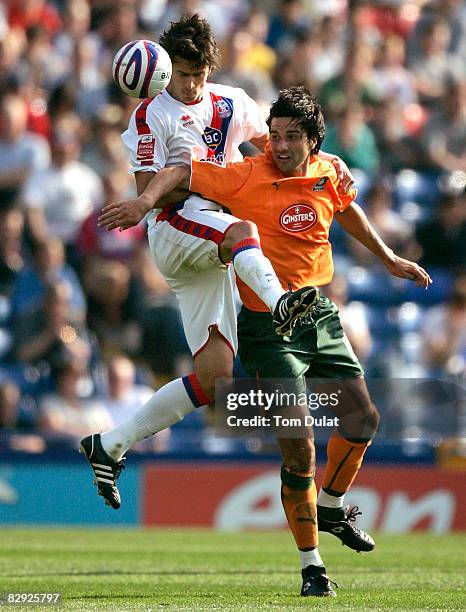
[(166, 131), (192, 240)]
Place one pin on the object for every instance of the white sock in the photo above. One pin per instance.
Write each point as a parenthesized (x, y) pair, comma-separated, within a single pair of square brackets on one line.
[(310, 557), (257, 272), (329, 501), (166, 407)]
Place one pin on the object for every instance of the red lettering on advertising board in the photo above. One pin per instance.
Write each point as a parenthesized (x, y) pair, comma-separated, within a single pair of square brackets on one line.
[(228, 496)]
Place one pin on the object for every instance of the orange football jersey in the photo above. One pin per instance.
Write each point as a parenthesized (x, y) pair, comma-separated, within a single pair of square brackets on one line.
[(293, 214)]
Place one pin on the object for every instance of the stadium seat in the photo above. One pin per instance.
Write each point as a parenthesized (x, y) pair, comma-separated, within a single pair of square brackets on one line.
[(409, 317), (414, 186), (439, 291), (31, 380), (382, 322), (375, 288)]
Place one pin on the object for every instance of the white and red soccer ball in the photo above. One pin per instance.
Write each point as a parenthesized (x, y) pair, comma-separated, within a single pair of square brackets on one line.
[(142, 69)]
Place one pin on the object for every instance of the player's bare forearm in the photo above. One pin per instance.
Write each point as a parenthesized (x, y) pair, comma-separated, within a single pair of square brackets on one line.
[(151, 188), (354, 221), (162, 184)]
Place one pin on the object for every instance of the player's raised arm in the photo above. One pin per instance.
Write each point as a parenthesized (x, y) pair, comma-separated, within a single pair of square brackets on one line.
[(354, 221), (151, 186)]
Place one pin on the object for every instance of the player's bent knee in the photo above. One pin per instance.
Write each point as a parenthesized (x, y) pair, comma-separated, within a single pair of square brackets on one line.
[(370, 421), (373, 418), (240, 231), (361, 427), (208, 378)]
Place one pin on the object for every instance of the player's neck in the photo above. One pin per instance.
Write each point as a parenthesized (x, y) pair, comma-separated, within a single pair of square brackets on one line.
[(299, 171)]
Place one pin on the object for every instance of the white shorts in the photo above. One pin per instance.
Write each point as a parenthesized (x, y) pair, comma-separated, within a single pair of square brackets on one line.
[(185, 248)]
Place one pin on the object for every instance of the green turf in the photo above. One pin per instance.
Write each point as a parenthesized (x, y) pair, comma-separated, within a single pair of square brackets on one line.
[(204, 570)]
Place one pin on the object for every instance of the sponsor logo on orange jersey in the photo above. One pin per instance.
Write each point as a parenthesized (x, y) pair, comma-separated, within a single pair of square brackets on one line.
[(298, 217)]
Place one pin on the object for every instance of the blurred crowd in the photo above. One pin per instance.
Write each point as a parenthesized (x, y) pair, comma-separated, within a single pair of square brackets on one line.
[(88, 327)]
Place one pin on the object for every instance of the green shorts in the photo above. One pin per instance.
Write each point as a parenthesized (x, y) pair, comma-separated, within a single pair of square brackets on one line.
[(318, 347)]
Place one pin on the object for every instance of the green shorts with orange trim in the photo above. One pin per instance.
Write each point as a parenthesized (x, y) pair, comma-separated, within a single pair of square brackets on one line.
[(318, 347)]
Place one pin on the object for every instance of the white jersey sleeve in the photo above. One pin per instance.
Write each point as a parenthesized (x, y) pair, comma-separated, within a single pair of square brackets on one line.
[(146, 142), (253, 121)]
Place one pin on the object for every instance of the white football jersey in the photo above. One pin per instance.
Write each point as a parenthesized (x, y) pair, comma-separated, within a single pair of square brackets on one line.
[(165, 132)]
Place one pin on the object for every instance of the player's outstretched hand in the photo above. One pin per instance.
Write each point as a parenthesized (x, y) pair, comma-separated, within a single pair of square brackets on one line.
[(124, 214), (343, 174), (403, 268)]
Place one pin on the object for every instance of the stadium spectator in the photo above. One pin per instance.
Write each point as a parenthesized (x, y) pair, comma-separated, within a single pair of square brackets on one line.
[(117, 25), (87, 73), (12, 43), (12, 434), (249, 62), (76, 23), (389, 224), (144, 293), (69, 413), (443, 239), (285, 25), (112, 309), (47, 265), (444, 136), (452, 11), (306, 54), (433, 66), (353, 140), (21, 152), (11, 248), (164, 346), (104, 151), (444, 337), (328, 57), (387, 17), (94, 243), (50, 332), (35, 63), (260, 57), (124, 397), (354, 84), (59, 198), (396, 131), (390, 77), (353, 317), (223, 15), (23, 14)]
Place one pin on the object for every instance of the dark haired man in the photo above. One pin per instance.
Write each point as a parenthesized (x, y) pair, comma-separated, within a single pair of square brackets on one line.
[(293, 196), (191, 241)]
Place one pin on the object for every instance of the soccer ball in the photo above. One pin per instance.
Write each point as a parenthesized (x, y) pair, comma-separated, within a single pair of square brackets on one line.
[(142, 69)]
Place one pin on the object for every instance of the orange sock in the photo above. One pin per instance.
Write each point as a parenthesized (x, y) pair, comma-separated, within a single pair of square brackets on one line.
[(299, 498), (344, 459)]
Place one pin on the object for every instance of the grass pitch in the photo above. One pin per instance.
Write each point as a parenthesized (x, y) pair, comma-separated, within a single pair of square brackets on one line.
[(106, 569)]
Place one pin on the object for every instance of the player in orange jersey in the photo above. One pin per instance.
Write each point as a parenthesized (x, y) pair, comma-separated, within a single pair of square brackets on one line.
[(293, 196)]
